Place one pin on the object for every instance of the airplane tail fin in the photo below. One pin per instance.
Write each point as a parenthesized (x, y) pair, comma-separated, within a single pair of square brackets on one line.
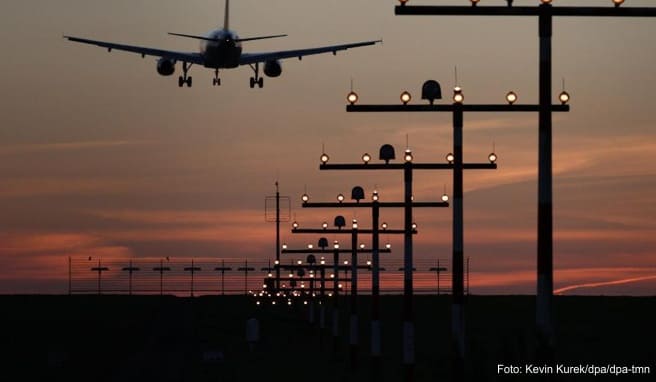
[(226, 15)]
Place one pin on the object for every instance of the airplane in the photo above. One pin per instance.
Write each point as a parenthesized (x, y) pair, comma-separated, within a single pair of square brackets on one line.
[(221, 49)]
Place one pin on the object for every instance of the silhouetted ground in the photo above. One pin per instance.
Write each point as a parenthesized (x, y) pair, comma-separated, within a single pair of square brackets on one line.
[(153, 338)]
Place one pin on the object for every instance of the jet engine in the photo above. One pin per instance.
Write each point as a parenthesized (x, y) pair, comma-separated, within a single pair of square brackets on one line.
[(272, 68), (165, 66)]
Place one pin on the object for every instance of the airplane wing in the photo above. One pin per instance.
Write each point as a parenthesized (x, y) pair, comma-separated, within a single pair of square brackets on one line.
[(252, 58), (195, 58)]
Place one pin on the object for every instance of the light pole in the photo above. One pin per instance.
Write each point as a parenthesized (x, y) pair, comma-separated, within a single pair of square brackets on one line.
[(161, 269), (245, 269), (223, 270), (545, 13), (193, 269), (272, 202), (100, 269), (130, 269), (437, 271)]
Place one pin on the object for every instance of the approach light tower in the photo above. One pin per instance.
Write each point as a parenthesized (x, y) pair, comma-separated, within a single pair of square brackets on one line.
[(431, 91), (545, 13)]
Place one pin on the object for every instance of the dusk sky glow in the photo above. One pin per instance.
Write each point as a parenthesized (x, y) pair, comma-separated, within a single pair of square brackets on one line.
[(100, 156)]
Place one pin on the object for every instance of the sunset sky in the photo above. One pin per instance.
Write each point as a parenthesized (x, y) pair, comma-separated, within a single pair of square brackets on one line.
[(100, 156)]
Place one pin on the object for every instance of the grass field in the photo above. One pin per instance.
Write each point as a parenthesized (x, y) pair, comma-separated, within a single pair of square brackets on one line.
[(153, 338)]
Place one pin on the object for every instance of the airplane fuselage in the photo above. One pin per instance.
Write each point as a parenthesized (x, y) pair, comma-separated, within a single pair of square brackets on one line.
[(224, 51)]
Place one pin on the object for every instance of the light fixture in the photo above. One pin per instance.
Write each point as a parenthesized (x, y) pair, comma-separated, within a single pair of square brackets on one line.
[(511, 97), (474, 2), (284, 246), (340, 198), (384, 225), (408, 155), (355, 224), (345, 262), (458, 97), (277, 261), (352, 97), (431, 91), (388, 245), (564, 97), (324, 225), (336, 244), (366, 158), (369, 262), (546, 1), (403, 2), (310, 246), (362, 246), (269, 275), (387, 153), (299, 262), (324, 158), (294, 225), (305, 198), (445, 197), (374, 197), (618, 2), (492, 157), (450, 158), (405, 97), (414, 226)]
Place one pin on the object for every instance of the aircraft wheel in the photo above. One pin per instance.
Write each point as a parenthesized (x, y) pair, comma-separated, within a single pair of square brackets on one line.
[(252, 83), (180, 81), (188, 82), (260, 82)]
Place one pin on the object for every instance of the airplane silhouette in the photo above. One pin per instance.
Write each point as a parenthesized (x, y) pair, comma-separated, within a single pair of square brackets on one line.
[(221, 49)]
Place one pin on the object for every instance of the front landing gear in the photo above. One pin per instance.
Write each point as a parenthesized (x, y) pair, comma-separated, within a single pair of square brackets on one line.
[(184, 79), (257, 79), (216, 81)]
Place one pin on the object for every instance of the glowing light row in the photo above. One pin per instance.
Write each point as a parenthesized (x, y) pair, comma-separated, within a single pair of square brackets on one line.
[(407, 156), (458, 97)]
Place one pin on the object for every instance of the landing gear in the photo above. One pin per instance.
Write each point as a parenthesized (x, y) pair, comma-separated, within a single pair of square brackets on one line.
[(184, 79), (257, 79), (216, 81)]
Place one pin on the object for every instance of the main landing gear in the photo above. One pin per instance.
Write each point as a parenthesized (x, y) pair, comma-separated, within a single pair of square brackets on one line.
[(184, 79), (257, 79), (216, 81)]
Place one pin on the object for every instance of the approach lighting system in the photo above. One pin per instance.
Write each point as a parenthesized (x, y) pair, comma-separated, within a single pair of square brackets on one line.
[(324, 158), (564, 97), (511, 97)]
